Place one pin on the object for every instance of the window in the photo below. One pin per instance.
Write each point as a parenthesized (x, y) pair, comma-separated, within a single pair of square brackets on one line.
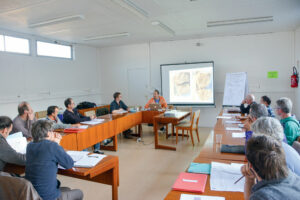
[(54, 50), (1, 43), (16, 45)]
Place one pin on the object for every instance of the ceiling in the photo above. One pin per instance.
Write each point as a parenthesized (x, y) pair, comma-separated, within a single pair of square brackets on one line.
[(187, 18)]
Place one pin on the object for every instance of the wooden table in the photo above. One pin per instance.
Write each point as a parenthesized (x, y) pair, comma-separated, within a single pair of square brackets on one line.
[(106, 172), (161, 119), (175, 195)]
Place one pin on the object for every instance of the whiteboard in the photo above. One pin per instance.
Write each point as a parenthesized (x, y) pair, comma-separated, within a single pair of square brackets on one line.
[(236, 88)]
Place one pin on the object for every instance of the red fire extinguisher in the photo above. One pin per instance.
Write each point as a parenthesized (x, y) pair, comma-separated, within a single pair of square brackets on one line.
[(294, 78)]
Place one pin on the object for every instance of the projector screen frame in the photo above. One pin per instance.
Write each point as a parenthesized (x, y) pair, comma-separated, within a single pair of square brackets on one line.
[(187, 63)]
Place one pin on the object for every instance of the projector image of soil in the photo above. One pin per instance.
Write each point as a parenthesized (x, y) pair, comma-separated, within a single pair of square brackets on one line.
[(182, 84), (203, 85)]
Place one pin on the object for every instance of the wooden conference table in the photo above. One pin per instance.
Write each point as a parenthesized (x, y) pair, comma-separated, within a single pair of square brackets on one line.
[(106, 172), (211, 152), (115, 124)]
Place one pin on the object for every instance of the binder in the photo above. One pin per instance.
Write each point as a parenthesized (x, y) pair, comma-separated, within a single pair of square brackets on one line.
[(190, 182)]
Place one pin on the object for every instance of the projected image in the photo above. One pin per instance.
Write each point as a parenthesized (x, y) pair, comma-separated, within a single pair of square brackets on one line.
[(193, 85), (181, 82)]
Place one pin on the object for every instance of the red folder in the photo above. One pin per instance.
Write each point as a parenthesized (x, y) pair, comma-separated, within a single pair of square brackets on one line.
[(73, 130), (190, 182)]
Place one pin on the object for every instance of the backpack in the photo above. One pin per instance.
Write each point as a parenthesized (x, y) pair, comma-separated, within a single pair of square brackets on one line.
[(85, 105)]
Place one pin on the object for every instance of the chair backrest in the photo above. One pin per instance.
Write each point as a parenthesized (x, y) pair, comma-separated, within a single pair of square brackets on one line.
[(102, 111), (41, 114), (197, 116), (15, 188), (192, 119), (171, 107), (89, 113)]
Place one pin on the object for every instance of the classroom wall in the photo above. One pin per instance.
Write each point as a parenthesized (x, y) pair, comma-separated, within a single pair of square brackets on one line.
[(255, 54), (45, 81), (297, 63)]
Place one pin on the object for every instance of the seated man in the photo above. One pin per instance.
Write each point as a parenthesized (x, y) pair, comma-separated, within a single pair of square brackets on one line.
[(248, 100), (25, 119), (290, 125), (7, 153), (118, 106), (267, 102), (72, 116), (52, 113), (256, 111), (43, 156), (158, 100), (267, 176), (271, 127)]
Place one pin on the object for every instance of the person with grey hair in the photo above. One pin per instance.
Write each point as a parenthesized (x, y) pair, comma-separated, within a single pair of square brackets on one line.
[(256, 111), (250, 98), (290, 125), (271, 126), (43, 155)]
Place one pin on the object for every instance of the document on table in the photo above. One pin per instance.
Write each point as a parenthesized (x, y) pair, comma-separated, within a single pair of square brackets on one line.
[(232, 122), (238, 135), (231, 114), (77, 155), (17, 142), (15, 135), (199, 197), (223, 176), (223, 117), (93, 122), (90, 160), (233, 129)]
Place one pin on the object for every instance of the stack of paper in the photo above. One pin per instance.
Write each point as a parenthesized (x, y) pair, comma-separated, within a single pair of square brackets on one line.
[(84, 159), (232, 122), (199, 197), (223, 176), (223, 117), (238, 135), (17, 142), (190, 182), (93, 122), (231, 114), (201, 168)]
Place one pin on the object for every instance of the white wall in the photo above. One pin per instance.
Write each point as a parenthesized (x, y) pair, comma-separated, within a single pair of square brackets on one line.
[(255, 54), (47, 81), (297, 63)]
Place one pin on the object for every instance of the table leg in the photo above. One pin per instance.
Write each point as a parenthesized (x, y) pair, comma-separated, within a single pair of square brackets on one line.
[(115, 184), (158, 146)]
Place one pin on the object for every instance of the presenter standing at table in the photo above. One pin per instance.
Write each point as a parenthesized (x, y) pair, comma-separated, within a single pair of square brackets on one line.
[(156, 99)]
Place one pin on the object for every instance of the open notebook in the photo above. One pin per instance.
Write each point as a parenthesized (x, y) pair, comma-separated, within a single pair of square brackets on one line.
[(84, 159)]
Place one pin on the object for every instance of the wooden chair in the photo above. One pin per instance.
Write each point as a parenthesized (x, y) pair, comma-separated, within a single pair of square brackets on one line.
[(41, 114), (189, 127), (90, 113)]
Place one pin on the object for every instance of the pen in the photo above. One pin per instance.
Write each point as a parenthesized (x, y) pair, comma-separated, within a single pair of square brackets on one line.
[(239, 179)]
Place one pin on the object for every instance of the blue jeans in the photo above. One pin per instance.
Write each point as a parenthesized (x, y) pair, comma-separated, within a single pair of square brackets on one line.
[(96, 147)]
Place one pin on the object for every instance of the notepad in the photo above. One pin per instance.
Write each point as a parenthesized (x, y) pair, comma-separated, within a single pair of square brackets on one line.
[(190, 182), (199, 168), (15, 135), (89, 161), (19, 144), (77, 155), (224, 175), (233, 129), (239, 149), (238, 135), (199, 197), (223, 117)]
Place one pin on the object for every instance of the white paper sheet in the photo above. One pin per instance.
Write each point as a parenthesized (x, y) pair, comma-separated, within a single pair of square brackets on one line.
[(199, 197), (223, 117), (232, 122), (233, 129), (18, 143), (93, 122), (223, 176), (238, 135), (15, 135), (89, 160), (77, 155)]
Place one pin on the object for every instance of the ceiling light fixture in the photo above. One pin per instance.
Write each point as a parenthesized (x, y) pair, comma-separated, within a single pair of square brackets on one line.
[(100, 37), (239, 21), (57, 21), (164, 27), (133, 8)]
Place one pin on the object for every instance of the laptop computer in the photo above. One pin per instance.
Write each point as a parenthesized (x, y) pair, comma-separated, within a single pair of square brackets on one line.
[(155, 106)]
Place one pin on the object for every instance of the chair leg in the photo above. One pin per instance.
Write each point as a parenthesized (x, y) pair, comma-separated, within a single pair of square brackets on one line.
[(167, 131), (182, 134), (173, 127), (176, 135), (191, 133), (197, 134)]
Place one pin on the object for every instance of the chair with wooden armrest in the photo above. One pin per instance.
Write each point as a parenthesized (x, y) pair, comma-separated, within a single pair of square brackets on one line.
[(41, 114)]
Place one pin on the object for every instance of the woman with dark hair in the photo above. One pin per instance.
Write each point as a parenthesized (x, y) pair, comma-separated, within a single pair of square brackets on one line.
[(267, 102)]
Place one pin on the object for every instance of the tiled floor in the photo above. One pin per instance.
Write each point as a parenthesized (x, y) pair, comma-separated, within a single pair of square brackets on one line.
[(145, 173)]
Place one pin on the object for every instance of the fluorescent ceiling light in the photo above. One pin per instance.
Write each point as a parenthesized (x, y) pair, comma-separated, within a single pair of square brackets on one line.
[(100, 37), (240, 21), (130, 6), (164, 27), (57, 21)]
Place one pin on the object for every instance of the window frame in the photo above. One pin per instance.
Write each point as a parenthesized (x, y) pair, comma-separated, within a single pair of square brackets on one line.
[(54, 42), (20, 37)]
